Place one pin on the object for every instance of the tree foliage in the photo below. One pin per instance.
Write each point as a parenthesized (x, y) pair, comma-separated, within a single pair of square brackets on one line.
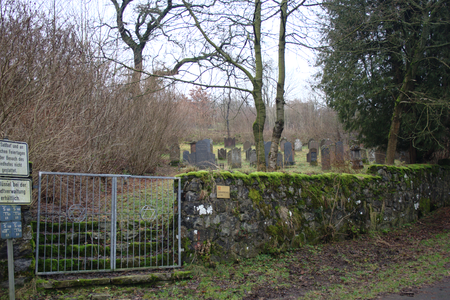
[(386, 70)]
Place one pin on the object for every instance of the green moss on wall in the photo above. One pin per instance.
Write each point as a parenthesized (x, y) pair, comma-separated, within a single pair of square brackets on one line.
[(424, 206)]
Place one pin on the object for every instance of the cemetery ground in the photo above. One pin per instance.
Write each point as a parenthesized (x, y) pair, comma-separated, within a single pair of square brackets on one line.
[(359, 266), (300, 166)]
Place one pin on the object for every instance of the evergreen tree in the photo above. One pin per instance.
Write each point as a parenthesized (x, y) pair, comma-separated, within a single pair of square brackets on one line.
[(386, 70)]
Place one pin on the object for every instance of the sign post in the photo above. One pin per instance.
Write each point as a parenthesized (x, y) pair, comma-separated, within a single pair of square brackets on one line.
[(15, 190)]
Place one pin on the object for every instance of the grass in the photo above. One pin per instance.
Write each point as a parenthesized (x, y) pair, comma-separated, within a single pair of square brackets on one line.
[(301, 165), (423, 263)]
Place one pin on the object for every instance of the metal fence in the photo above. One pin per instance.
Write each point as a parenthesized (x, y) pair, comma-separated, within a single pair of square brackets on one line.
[(100, 223)]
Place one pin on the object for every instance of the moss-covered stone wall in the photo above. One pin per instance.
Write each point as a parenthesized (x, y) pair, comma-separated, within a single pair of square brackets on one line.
[(270, 212)]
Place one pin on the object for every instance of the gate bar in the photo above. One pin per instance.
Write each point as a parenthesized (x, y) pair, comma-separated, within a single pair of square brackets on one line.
[(113, 223)]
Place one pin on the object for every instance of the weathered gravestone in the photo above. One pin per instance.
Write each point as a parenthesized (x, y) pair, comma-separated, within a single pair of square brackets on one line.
[(211, 142), (282, 142), (221, 154), (326, 160), (322, 143), (193, 146), (298, 145), (187, 157), (288, 154), (332, 148), (313, 149), (204, 158), (380, 156), (229, 142), (339, 156), (247, 153), (247, 145), (174, 153), (355, 155), (267, 146), (308, 155), (234, 158), (371, 155), (253, 157)]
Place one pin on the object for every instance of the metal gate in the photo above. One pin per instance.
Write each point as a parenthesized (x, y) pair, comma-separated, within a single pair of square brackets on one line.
[(103, 223)]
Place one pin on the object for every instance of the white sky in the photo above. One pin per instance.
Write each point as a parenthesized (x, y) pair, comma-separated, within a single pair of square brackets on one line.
[(299, 61)]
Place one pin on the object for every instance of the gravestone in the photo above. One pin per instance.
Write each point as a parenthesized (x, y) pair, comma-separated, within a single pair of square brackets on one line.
[(355, 156), (313, 148), (332, 148), (193, 146), (211, 145), (221, 154), (313, 156), (234, 158), (309, 143), (288, 154), (322, 143), (308, 157), (267, 146), (380, 156), (253, 157), (328, 142), (186, 157), (247, 145), (247, 154), (339, 156), (204, 158), (282, 142), (298, 145), (229, 142), (174, 152), (326, 160), (371, 155)]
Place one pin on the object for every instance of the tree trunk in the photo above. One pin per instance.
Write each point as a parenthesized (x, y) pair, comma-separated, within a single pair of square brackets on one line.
[(137, 72), (258, 125), (393, 132), (279, 123), (228, 114)]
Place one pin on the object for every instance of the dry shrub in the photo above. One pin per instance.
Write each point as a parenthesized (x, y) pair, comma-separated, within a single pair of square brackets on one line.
[(71, 108)]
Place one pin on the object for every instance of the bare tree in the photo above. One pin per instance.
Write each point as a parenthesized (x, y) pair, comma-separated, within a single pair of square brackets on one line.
[(150, 18), (70, 107), (233, 38)]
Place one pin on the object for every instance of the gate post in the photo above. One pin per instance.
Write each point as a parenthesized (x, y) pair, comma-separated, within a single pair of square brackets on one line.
[(113, 222)]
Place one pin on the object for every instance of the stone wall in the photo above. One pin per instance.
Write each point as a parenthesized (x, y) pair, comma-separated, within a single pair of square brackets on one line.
[(269, 212)]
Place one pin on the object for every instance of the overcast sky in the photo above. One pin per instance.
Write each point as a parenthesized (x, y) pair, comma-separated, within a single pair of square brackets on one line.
[(299, 60)]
